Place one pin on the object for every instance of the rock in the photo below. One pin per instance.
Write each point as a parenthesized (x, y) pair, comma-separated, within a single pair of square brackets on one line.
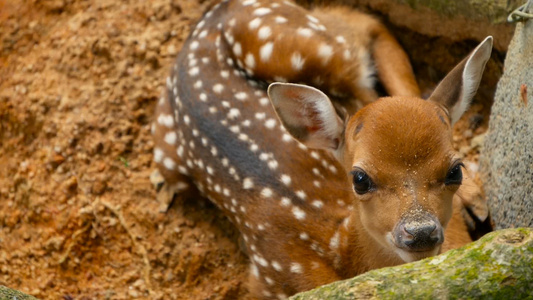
[(506, 160), (98, 187), (10, 294), (498, 266), (456, 20)]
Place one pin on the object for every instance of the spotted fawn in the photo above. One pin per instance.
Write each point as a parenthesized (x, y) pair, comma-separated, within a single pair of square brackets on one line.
[(262, 114)]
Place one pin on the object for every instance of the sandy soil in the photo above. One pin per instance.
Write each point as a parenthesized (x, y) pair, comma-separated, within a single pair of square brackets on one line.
[(78, 215)]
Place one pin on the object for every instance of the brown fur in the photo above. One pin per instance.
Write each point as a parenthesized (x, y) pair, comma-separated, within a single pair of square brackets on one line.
[(301, 222)]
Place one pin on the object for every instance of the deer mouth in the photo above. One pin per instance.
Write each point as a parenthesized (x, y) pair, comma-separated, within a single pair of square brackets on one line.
[(409, 254)]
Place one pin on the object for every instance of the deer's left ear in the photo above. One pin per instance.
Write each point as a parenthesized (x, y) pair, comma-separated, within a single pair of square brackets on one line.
[(456, 90), (307, 114)]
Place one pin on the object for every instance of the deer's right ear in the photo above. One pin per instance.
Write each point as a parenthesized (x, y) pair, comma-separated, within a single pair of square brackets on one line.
[(456, 90), (307, 114)]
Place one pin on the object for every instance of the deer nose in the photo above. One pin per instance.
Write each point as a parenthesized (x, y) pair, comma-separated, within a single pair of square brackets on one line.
[(419, 234)]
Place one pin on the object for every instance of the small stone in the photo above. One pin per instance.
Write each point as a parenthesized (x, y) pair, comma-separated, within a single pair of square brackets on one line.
[(133, 293), (57, 160), (98, 187), (71, 184), (54, 243)]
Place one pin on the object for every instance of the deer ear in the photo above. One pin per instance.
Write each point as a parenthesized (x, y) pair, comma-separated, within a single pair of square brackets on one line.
[(307, 114), (456, 90)]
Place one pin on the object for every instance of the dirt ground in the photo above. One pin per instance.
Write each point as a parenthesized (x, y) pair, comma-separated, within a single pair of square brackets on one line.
[(78, 215)]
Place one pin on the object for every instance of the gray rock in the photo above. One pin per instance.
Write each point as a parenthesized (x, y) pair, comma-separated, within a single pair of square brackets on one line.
[(455, 20), (507, 157)]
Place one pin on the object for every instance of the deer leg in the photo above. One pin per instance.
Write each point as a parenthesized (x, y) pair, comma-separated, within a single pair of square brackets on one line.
[(392, 64)]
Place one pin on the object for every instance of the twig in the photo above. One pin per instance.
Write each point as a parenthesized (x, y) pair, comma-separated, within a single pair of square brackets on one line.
[(73, 241), (147, 269)]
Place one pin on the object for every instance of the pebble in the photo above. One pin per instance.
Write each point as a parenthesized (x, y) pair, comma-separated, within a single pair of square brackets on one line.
[(98, 187)]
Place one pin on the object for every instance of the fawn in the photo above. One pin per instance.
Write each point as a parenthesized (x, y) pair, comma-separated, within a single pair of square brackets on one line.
[(320, 188)]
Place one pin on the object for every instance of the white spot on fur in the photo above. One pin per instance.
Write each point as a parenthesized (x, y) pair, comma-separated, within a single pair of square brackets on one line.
[(366, 70), (234, 113), (241, 96), (249, 61), (305, 32), (264, 101), (298, 213), (247, 183), (254, 270), (194, 45), (286, 179), (312, 19), (254, 24), (285, 201), (269, 281), (218, 88), (158, 155), (280, 20), (340, 39), (198, 84), (270, 123), (334, 242), (266, 192), (347, 54), (325, 52), (170, 138), (169, 163), (237, 49), (317, 204), (304, 236), (296, 268), (280, 79), (276, 266), (262, 11), (264, 32), (166, 120), (297, 61), (266, 51), (194, 71)]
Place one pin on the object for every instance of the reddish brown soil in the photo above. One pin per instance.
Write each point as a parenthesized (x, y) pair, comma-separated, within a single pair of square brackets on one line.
[(78, 215)]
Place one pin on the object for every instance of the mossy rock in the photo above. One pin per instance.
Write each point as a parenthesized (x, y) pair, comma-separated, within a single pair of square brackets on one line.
[(11, 294), (498, 266)]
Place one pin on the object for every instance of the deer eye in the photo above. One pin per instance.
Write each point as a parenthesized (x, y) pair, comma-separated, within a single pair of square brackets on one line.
[(362, 184), (455, 175)]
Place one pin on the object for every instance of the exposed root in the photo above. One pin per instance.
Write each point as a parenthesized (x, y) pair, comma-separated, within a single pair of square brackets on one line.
[(73, 241), (147, 269)]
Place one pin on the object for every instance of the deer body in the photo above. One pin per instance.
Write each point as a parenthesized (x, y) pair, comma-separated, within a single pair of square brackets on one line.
[(294, 201)]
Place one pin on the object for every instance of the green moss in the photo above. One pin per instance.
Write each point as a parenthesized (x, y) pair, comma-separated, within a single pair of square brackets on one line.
[(500, 265)]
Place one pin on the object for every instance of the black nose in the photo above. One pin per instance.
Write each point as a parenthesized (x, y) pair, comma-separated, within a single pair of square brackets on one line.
[(420, 234)]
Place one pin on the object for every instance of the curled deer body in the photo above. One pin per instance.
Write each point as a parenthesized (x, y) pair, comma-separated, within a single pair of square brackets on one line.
[(262, 114)]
